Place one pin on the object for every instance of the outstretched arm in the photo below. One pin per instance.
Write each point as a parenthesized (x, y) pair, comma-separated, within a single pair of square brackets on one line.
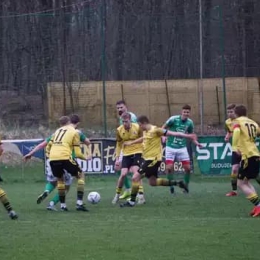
[(40, 146)]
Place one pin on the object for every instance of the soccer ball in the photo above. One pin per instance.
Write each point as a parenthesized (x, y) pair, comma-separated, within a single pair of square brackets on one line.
[(94, 197)]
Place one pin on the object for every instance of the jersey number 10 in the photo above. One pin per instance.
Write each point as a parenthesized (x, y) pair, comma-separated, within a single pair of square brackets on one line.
[(251, 129)]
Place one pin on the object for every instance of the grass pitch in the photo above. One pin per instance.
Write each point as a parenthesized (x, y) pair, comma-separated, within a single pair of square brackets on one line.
[(202, 225)]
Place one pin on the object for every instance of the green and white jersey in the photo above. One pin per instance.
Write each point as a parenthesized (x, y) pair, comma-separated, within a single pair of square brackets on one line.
[(133, 118), (176, 124)]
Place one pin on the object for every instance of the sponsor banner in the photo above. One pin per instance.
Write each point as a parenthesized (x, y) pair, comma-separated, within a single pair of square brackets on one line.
[(22, 147), (215, 156), (101, 150)]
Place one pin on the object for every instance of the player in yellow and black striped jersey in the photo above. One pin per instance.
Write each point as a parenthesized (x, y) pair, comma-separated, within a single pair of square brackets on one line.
[(131, 154), (235, 160), (64, 142), (3, 198), (245, 131), (152, 157)]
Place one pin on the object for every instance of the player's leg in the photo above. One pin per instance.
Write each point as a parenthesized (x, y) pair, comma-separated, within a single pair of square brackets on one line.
[(169, 162), (55, 200), (57, 168), (184, 158), (127, 182), (4, 200), (152, 175), (249, 170), (120, 183), (235, 161), (50, 184), (134, 190)]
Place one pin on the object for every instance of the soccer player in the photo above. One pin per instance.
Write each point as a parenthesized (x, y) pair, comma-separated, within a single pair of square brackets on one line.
[(176, 147), (3, 197), (51, 180), (63, 142), (152, 157), (122, 108), (236, 158), (245, 132), (131, 154)]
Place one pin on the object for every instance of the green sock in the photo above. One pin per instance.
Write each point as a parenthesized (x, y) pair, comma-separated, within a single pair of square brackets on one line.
[(187, 177), (127, 183), (170, 176), (56, 199), (49, 187)]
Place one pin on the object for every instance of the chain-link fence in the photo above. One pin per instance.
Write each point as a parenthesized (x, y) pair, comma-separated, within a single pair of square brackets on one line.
[(75, 43)]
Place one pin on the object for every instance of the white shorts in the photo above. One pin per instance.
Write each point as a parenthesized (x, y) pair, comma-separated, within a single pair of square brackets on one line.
[(51, 178), (176, 154)]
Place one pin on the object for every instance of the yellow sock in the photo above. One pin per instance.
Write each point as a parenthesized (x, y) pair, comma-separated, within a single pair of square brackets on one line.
[(253, 198), (118, 190), (4, 200), (62, 191), (80, 188), (141, 189), (162, 182), (134, 190)]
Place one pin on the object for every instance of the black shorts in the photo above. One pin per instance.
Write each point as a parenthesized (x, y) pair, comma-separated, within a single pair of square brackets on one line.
[(149, 168), (249, 168), (236, 159), (131, 160), (70, 166)]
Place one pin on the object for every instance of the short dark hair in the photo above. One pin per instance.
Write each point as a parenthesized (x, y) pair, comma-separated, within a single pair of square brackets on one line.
[(64, 120), (240, 110), (187, 107), (74, 119), (121, 102), (231, 106), (143, 120), (126, 115)]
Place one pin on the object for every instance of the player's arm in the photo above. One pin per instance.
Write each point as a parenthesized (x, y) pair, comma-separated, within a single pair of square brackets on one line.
[(119, 145), (83, 138), (236, 137), (190, 130), (165, 132), (40, 146), (136, 141), (228, 133), (76, 147)]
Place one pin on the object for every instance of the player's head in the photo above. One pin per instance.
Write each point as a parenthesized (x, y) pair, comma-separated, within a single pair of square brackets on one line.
[(185, 113), (240, 110), (126, 120), (231, 111), (75, 120), (143, 122), (64, 120), (121, 107)]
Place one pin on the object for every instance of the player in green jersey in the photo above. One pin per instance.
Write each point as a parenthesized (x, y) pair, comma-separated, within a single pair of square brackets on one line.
[(51, 180), (176, 147), (121, 108)]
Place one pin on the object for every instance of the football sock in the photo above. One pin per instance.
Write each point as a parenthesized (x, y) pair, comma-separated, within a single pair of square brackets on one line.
[(5, 201), (187, 178), (80, 189), (141, 189), (56, 199), (234, 181), (134, 190), (253, 198), (118, 190), (127, 183), (61, 191), (170, 176), (49, 187), (165, 182)]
